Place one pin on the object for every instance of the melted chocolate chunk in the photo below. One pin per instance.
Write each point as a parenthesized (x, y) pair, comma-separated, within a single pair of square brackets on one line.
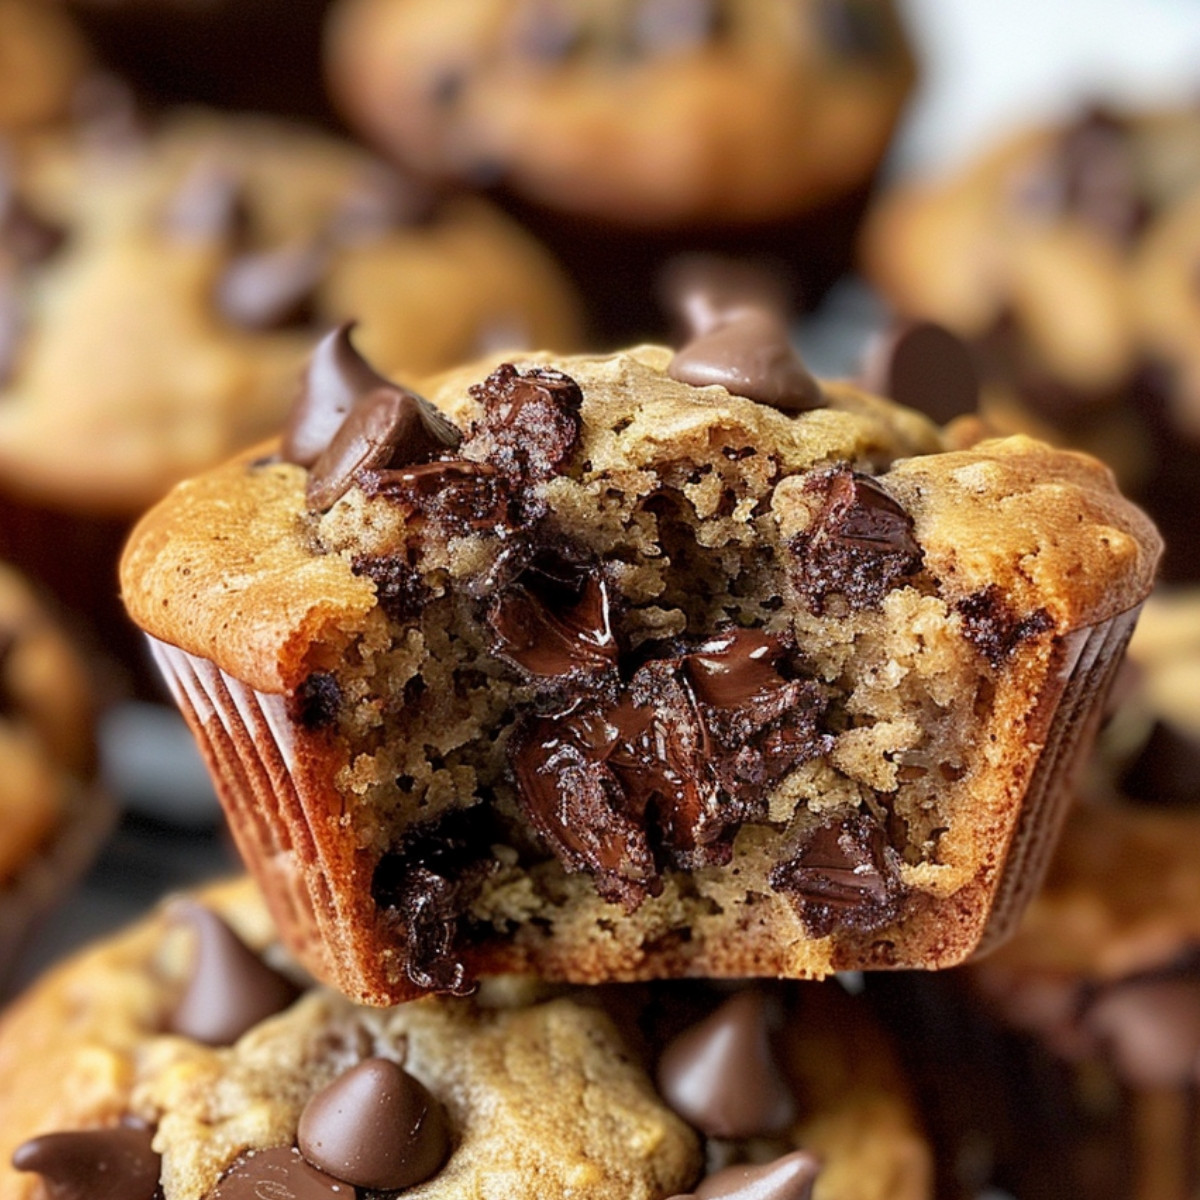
[(1099, 176), (317, 701), (427, 885), (992, 627), (94, 1164), (399, 589), (1167, 771), (924, 366), (387, 429), (791, 1177), (750, 355), (556, 623), (667, 772), (530, 426), (277, 1174), (375, 1126), (674, 26), (722, 1075), (272, 289), (860, 544), (336, 377), (462, 497), (842, 876), (230, 989)]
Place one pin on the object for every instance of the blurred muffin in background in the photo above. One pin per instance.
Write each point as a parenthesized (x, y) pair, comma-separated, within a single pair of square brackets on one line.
[(627, 129), (42, 57), (158, 291), (1067, 257), (51, 814)]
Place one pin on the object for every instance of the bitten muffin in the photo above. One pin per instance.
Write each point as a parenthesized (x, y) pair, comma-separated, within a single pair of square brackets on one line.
[(158, 291), (42, 59), (628, 130), (1063, 256), (51, 814), (185, 1058), (635, 666)]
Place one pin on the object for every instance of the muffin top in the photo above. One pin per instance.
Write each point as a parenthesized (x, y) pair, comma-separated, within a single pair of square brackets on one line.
[(159, 290), (654, 113)]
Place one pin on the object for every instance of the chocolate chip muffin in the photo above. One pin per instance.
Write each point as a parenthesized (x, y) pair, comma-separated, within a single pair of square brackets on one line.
[(158, 292), (1062, 256), (653, 664), (186, 1058), (42, 59), (628, 130), (51, 813)]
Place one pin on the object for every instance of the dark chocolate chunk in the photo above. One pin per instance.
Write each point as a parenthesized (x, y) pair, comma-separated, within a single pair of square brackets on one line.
[(555, 628), (674, 26), (279, 1173), (791, 1177), (116, 1163), (860, 544), (667, 772), (375, 1126), (857, 28), (1151, 1030), (924, 366), (230, 989), (317, 701), (1167, 771), (399, 589), (994, 629), (750, 354), (271, 289), (209, 205), (427, 884), (387, 428), (842, 875), (336, 376), (530, 424), (462, 497), (1100, 176), (722, 1076)]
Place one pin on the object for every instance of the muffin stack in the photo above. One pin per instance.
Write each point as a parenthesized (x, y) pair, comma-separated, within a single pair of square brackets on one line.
[(623, 740)]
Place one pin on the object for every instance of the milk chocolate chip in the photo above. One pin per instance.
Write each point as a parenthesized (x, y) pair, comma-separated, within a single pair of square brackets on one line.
[(924, 366), (230, 989), (843, 875), (859, 546), (279, 1173), (750, 355), (722, 1077), (94, 1164), (788, 1178), (375, 1127), (336, 376)]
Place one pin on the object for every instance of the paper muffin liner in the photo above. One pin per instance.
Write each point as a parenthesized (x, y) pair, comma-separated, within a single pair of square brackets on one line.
[(47, 879), (277, 781)]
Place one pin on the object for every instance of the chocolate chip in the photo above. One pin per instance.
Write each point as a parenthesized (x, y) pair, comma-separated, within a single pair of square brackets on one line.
[(555, 628), (674, 26), (1151, 1029), (924, 366), (230, 989), (399, 589), (994, 629), (336, 376), (842, 875), (856, 28), (750, 355), (459, 496), (860, 544), (209, 205), (702, 291), (271, 289), (379, 201), (530, 424), (375, 1126), (279, 1173), (94, 1164), (387, 428), (317, 701), (722, 1076), (791, 1177), (1167, 771)]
